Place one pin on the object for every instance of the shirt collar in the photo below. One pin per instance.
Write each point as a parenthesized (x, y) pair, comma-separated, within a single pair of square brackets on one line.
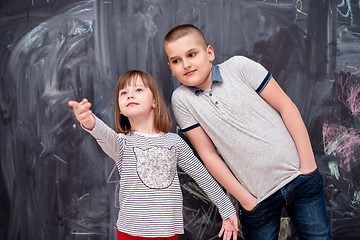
[(216, 77)]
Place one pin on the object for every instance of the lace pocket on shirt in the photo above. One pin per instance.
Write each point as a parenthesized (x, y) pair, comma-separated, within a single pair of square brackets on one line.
[(156, 166)]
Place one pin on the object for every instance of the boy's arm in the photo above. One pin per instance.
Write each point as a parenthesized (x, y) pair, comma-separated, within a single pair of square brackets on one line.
[(216, 166), (277, 98)]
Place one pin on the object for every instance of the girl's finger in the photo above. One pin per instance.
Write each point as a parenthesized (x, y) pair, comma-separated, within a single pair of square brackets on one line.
[(84, 115), (84, 101), (84, 107), (73, 104), (234, 235), (226, 236), (221, 232)]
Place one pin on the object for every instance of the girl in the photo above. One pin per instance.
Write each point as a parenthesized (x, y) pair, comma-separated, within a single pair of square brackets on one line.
[(147, 155)]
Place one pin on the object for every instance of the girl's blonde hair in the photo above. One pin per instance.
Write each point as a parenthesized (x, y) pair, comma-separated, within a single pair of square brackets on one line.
[(162, 118)]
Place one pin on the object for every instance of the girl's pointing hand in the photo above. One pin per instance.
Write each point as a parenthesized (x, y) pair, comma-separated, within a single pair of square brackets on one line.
[(83, 113)]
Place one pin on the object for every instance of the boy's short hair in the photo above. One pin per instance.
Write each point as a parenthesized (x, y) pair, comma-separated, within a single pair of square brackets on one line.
[(182, 30)]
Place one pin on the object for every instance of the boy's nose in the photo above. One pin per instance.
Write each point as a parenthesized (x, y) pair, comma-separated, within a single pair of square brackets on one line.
[(186, 64)]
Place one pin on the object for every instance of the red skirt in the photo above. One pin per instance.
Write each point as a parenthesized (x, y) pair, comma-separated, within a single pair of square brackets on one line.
[(124, 236)]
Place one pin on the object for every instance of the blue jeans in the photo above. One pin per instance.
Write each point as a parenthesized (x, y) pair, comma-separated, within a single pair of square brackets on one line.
[(304, 201)]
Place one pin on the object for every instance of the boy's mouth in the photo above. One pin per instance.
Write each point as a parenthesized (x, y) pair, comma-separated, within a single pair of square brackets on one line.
[(191, 72)]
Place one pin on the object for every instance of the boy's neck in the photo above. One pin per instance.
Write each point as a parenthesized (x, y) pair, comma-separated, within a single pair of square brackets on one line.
[(207, 84)]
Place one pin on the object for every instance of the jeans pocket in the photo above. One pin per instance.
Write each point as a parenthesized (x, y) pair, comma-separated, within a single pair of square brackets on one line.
[(309, 184), (310, 174), (252, 211)]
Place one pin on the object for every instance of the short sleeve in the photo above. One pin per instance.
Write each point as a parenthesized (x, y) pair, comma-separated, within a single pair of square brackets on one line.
[(253, 73), (183, 116)]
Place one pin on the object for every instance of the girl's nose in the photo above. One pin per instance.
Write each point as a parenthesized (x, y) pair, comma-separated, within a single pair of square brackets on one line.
[(130, 95)]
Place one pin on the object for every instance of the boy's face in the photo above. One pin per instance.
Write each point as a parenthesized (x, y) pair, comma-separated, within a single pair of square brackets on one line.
[(189, 62)]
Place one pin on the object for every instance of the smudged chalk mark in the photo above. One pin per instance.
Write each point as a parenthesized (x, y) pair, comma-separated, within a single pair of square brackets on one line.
[(116, 194), (203, 218), (343, 142), (78, 199), (349, 92), (334, 169), (285, 229), (356, 199)]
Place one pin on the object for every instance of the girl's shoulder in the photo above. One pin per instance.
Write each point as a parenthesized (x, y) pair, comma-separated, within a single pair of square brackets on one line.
[(172, 135)]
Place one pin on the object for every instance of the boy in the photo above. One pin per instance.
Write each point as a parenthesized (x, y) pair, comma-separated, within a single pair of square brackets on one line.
[(237, 109)]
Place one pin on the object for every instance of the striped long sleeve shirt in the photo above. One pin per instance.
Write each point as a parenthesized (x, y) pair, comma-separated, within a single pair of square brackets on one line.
[(150, 196)]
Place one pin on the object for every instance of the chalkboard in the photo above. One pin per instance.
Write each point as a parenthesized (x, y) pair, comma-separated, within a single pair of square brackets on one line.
[(56, 183)]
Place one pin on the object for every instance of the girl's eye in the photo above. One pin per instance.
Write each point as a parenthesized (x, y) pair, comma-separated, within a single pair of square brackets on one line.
[(138, 90), (175, 61), (192, 54), (123, 93)]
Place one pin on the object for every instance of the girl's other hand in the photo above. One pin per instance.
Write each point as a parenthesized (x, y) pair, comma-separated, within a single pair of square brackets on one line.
[(83, 113), (229, 228)]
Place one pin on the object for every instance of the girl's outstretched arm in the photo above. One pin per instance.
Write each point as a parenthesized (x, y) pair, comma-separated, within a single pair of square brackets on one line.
[(83, 113)]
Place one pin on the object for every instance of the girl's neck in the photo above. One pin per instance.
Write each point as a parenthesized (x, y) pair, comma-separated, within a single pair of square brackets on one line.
[(145, 130), (143, 125)]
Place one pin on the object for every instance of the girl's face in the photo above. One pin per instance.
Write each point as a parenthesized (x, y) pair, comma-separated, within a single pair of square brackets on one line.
[(136, 100)]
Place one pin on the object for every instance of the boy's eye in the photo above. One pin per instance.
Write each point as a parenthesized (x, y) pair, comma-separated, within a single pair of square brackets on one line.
[(175, 61), (192, 54)]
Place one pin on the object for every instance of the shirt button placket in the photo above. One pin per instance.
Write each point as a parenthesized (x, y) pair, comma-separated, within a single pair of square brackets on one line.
[(213, 99)]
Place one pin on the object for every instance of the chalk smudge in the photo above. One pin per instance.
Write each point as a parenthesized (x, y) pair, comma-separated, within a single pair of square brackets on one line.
[(349, 93), (343, 142), (334, 169)]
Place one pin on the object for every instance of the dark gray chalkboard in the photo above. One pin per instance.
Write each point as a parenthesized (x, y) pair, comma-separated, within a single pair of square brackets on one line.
[(55, 182)]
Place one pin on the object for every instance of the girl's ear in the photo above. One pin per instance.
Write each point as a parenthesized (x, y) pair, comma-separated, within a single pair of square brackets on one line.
[(154, 104)]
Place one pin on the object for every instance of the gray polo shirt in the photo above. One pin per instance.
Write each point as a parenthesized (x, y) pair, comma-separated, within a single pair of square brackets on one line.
[(247, 132)]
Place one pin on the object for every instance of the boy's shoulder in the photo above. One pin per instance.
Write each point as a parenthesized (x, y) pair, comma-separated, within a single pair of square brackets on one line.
[(236, 59), (181, 92)]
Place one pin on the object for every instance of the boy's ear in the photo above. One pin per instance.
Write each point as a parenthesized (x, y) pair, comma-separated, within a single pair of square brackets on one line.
[(171, 69), (211, 53)]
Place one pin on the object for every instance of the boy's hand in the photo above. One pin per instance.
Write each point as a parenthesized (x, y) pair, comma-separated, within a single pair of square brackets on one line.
[(229, 228), (250, 203), (83, 113)]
